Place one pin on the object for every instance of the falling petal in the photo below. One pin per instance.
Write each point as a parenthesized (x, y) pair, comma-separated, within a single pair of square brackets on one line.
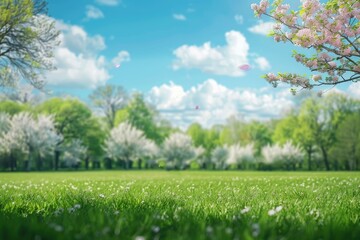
[(117, 65), (245, 67)]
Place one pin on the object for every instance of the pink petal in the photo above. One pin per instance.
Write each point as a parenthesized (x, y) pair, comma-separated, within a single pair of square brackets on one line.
[(245, 67)]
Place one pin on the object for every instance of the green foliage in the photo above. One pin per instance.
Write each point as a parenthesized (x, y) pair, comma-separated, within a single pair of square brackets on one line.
[(347, 148), (31, 32), (121, 116), (12, 107), (197, 134), (143, 116), (260, 134), (71, 116)]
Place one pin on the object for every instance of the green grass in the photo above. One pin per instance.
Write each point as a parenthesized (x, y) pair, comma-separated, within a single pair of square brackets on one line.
[(179, 205)]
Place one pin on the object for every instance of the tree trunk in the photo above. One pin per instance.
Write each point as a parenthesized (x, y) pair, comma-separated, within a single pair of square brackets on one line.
[(57, 159), (29, 157), (12, 162), (127, 164), (39, 162), (87, 162), (239, 166), (139, 163), (309, 152), (325, 157), (203, 165)]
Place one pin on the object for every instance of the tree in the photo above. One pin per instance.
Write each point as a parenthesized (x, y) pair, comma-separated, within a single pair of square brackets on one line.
[(219, 156), (32, 136), (9, 141), (150, 153), (321, 119), (93, 140), (74, 151), (259, 134), (4, 123), (127, 143), (72, 121), (177, 149), (12, 107), (291, 155), (27, 40), (271, 153), (144, 117), (109, 99), (240, 155), (234, 132), (347, 148), (200, 157), (288, 155), (303, 137), (197, 134), (331, 30), (296, 128)]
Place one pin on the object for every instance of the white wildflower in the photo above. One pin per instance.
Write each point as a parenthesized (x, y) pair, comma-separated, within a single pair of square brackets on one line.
[(271, 212), (245, 210)]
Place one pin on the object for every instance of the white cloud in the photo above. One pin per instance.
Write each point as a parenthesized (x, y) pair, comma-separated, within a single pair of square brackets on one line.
[(179, 17), (217, 103), (108, 2), (93, 12), (263, 28), (122, 56), (77, 59), (239, 19), (262, 63), (354, 89), (221, 60)]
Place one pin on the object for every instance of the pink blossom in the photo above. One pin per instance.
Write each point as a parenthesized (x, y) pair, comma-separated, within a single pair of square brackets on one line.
[(332, 64), (347, 51), (316, 77)]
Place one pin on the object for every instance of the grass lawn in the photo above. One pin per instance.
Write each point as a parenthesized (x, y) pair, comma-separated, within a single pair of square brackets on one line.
[(180, 205)]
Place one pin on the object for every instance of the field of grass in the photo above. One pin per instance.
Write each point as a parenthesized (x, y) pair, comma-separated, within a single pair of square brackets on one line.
[(179, 205)]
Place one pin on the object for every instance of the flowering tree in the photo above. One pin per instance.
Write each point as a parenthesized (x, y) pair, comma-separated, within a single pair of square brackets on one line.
[(127, 143), (150, 152), (219, 157), (270, 153), (177, 148), (287, 155), (4, 123), (291, 155), (240, 155), (200, 155), (331, 29), (74, 151), (30, 136)]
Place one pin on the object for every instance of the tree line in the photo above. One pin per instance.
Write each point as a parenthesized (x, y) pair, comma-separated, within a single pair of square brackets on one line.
[(118, 131)]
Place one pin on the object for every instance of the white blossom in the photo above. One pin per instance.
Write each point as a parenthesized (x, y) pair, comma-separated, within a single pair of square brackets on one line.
[(128, 143), (219, 156), (178, 148)]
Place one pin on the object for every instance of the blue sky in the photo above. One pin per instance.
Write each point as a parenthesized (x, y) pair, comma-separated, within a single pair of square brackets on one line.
[(178, 53)]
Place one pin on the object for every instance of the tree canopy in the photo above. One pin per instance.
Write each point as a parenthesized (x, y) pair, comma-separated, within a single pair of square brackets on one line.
[(27, 41)]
